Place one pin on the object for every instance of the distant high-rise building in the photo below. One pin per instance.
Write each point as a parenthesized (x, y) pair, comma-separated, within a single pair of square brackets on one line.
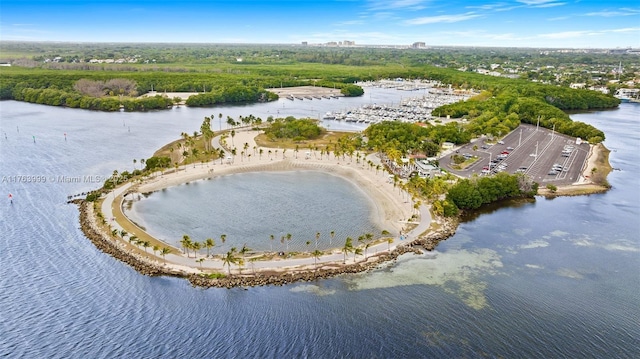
[(418, 45), (304, 43), (348, 43)]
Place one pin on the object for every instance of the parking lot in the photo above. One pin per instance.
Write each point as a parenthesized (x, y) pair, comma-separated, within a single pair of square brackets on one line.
[(545, 156)]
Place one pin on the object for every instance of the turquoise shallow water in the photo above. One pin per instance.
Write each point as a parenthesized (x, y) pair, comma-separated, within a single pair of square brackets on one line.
[(551, 279)]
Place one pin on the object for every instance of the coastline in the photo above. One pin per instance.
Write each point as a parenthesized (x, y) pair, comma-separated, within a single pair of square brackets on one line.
[(151, 265), (593, 177), (390, 212)]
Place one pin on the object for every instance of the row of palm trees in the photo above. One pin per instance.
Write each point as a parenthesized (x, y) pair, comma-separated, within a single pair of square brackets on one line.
[(366, 241), (162, 251), (231, 256)]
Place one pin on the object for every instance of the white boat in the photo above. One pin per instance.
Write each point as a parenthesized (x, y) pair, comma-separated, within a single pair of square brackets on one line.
[(329, 116), (627, 95)]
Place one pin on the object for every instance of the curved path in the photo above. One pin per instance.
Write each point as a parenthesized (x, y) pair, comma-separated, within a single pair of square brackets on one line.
[(112, 204)]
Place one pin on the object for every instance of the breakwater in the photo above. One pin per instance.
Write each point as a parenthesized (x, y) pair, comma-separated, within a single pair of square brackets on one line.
[(276, 276)]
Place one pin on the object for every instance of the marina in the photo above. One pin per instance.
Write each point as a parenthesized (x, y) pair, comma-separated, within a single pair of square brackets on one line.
[(411, 109)]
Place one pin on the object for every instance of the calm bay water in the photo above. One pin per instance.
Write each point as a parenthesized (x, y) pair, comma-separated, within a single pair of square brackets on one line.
[(555, 278), (249, 207)]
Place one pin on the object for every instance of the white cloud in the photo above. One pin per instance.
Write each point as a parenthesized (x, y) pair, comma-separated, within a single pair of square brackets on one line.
[(496, 7), (541, 3), (350, 22), (582, 33), (614, 13), (554, 4), (441, 19), (396, 4), (535, 2)]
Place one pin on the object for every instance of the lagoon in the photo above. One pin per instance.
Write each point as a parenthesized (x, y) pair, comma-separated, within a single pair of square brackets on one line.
[(249, 207)]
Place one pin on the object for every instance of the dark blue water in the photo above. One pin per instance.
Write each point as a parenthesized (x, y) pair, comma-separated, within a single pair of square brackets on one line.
[(551, 279)]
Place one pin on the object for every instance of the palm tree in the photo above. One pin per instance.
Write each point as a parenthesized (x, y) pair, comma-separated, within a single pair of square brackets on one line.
[(317, 238), (332, 234), (164, 251), (200, 260), (209, 243), (260, 152), (389, 241), (114, 233), (243, 252), (186, 243), (229, 258), (356, 252), (196, 246), (146, 244), (366, 247), (221, 155), (142, 161), (123, 233), (134, 164), (316, 255), (271, 237), (348, 248), (223, 238), (115, 177), (288, 239), (233, 134), (155, 249)]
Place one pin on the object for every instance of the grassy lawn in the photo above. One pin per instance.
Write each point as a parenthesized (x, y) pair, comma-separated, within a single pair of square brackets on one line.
[(180, 145), (466, 163), (324, 141)]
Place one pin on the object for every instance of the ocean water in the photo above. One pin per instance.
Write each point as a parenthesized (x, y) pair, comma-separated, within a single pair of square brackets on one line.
[(549, 279)]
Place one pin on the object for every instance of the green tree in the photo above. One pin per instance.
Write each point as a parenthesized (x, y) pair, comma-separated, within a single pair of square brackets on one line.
[(347, 248), (186, 243), (209, 243), (230, 258), (163, 252), (316, 255)]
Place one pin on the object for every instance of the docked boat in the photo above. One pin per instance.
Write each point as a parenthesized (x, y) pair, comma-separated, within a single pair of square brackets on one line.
[(329, 116), (627, 95)]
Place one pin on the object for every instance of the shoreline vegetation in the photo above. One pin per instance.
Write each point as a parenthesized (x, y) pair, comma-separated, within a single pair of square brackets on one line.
[(105, 224)]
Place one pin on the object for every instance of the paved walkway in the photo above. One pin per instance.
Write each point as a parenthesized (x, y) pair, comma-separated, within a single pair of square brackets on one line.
[(335, 257)]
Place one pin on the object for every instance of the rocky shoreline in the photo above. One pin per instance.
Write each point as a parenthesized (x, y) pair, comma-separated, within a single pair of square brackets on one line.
[(146, 266)]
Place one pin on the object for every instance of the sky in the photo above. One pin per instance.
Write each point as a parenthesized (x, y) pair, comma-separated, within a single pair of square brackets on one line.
[(501, 23)]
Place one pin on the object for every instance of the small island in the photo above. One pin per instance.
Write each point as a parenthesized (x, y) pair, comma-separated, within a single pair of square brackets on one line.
[(388, 174)]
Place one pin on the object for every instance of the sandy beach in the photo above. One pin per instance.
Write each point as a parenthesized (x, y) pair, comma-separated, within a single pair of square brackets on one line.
[(390, 206), (392, 209)]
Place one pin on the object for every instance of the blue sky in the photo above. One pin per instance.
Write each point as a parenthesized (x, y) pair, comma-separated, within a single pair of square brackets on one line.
[(505, 23)]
